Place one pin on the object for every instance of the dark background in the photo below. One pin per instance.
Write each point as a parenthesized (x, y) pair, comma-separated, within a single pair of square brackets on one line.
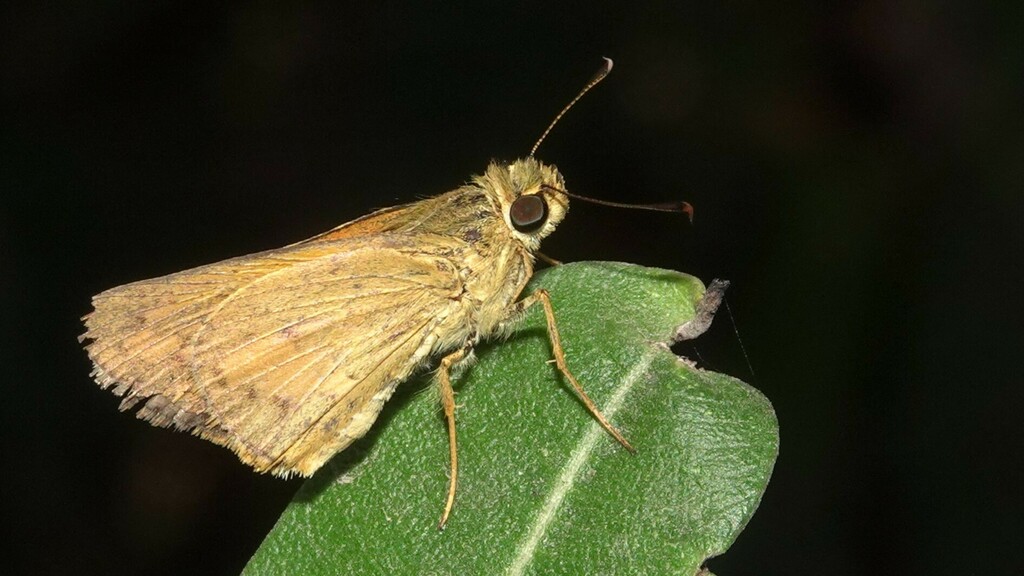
[(855, 169)]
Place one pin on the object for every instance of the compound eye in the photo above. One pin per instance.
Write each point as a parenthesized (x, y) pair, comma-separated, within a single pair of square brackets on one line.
[(528, 213)]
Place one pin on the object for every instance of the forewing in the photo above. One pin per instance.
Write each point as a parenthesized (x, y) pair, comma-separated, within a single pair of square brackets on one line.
[(142, 332), (284, 357)]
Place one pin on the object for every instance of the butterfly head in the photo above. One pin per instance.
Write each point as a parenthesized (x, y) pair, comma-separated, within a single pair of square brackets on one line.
[(529, 196)]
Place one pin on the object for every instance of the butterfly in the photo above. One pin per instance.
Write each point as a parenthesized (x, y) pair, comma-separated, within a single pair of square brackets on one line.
[(287, 356)]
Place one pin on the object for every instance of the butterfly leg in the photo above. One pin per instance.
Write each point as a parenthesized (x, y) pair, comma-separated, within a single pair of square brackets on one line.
[(444, 383), (548, 259), (544, 298)]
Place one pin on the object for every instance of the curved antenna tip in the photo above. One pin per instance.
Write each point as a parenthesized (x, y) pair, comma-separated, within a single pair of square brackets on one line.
[(601, 73), (687, 209)]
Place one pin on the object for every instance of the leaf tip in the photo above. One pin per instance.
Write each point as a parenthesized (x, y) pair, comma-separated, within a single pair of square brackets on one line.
[(704, 313)]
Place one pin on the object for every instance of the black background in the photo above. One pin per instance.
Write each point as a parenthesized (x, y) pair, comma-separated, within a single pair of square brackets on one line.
[(855, 169)]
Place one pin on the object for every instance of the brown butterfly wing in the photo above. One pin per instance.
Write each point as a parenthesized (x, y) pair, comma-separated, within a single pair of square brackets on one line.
[(286, 356), (142, 332)]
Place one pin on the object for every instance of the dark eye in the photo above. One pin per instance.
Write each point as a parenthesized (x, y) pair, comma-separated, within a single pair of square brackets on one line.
[(528, 213)]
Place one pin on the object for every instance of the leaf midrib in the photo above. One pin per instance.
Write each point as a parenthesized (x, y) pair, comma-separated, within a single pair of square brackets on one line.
[(580, 455)]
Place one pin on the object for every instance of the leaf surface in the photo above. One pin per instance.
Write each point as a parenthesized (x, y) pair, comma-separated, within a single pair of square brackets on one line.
[(543, 489)]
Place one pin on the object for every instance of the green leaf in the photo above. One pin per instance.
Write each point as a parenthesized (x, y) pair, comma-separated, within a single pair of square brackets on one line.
[(543, 489)]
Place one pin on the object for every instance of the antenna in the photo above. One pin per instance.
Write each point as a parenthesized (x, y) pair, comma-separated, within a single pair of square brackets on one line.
[(678, 207), (605, 69)]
